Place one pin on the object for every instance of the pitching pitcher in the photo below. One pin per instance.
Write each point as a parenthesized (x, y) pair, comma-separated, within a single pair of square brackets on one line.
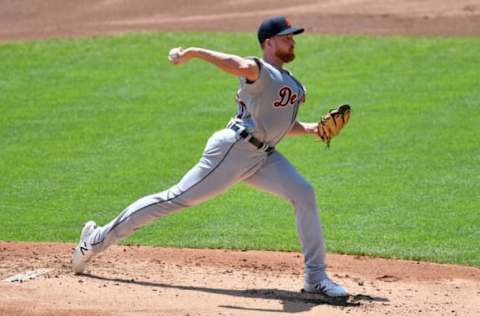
[(268, 99)]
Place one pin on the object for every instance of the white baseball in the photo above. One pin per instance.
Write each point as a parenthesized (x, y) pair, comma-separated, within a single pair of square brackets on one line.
[(174, 54)]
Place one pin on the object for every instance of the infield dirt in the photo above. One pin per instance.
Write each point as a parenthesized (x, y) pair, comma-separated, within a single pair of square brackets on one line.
[(159, 281), (165, 281), (29, 19)]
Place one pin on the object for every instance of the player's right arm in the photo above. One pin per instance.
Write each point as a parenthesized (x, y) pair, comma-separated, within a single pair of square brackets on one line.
[(232, 64)]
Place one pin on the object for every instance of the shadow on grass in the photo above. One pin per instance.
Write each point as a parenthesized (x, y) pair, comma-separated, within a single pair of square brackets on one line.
[(292, 302)]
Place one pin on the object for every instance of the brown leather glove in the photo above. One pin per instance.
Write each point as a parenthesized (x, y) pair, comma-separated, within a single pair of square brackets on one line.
[(332, 123)]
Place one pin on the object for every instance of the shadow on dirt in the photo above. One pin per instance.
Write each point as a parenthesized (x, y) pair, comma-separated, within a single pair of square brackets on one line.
[(292, 302)]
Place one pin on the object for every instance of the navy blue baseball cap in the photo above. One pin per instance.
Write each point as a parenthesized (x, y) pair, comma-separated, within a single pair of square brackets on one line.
[(276, 25)]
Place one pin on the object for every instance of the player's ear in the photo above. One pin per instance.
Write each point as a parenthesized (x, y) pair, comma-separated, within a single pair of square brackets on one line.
[(268, 43)]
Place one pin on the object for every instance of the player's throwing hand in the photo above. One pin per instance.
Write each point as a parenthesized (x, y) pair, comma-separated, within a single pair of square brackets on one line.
[(177, 56)]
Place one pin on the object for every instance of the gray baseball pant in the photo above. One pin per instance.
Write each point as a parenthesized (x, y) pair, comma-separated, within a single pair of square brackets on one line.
[(226, 160)]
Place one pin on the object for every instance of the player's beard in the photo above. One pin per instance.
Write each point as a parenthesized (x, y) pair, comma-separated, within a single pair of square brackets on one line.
[(286, 57)]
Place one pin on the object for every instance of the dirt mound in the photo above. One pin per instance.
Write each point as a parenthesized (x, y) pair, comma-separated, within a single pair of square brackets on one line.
[(159, 281)]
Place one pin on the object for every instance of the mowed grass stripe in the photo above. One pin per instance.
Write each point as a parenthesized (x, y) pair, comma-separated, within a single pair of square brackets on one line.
[(88, 126)]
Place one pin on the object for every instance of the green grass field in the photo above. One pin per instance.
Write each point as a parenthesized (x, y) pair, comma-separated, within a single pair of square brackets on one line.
[(88, 126)]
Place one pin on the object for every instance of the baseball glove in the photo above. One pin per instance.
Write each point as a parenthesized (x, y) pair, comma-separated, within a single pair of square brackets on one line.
[(332, 123)]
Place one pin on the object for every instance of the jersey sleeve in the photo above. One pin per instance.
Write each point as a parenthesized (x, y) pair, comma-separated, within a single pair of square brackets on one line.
[(257, 85), (304, 99)]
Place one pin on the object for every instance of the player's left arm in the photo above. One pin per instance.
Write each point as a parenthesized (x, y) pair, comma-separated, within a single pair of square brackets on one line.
[(302, 128), (232, 64)]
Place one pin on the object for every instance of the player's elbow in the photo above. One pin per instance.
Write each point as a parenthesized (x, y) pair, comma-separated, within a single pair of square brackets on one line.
[(248, 69)]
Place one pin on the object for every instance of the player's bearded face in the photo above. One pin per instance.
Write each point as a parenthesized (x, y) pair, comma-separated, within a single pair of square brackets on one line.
[(285, 48), (285, 56)]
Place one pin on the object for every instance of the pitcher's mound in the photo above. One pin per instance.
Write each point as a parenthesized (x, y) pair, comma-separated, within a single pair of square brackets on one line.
[(158, 281)]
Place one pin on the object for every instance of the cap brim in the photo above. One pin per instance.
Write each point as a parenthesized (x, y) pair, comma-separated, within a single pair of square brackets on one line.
[(292, 30)]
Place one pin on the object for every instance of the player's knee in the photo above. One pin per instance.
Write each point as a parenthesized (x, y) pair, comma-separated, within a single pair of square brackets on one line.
[(304, 196)]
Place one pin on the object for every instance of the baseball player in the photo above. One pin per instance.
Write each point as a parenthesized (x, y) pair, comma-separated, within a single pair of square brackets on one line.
[(269, 98)]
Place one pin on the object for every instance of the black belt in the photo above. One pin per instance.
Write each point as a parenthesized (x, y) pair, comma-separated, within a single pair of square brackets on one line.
[(252, 140)]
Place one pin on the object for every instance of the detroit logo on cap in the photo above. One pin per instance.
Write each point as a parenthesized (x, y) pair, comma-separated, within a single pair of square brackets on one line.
[(287, 21)]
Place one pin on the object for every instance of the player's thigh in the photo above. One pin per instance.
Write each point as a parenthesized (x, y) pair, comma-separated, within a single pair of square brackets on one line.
[(280, 177), (223, 163)]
